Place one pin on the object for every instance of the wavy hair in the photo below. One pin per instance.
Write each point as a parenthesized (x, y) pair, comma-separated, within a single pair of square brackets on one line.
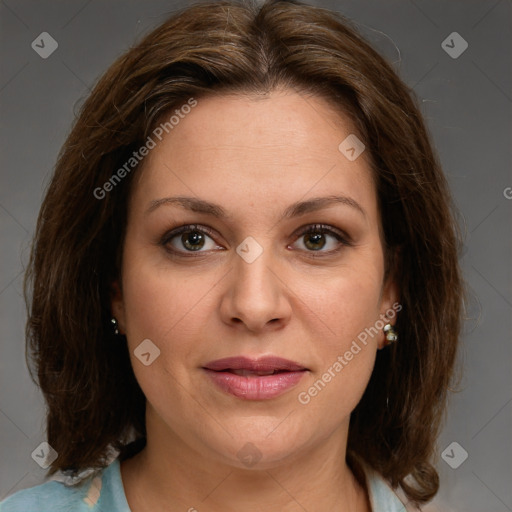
[(93, 399)]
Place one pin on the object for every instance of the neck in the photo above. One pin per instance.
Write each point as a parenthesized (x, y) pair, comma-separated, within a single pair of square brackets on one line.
[(168, 474)]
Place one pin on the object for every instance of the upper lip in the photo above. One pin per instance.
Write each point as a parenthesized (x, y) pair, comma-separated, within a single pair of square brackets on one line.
[(266, 363)]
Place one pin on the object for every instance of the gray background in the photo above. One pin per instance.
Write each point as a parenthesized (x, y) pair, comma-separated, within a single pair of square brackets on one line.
[(467, 103)]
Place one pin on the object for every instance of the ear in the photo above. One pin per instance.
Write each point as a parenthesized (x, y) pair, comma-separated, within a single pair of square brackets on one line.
[(390, 304), (117, 306)]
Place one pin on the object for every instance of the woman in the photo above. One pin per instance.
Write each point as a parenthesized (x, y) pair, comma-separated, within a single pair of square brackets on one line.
[(244, 286)]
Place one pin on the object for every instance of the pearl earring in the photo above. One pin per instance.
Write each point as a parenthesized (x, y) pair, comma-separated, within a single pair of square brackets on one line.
[(391, 334), (115, 326)]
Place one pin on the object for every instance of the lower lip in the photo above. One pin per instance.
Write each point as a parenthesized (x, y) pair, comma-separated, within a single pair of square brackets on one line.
[(261, 387)]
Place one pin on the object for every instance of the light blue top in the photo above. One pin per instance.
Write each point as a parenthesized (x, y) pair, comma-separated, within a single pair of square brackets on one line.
[(104, 492)]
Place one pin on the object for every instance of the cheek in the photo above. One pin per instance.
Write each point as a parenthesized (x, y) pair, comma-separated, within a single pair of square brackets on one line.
[(345, 358), (170, 307), (158, 301), (343, 305), (345, 311), (164, 307)]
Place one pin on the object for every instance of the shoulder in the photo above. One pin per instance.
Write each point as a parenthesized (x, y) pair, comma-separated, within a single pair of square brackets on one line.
[(48, 497), (100, 491), (382, 496)]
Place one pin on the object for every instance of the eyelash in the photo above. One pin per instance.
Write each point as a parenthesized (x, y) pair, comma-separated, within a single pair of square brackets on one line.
[(343, 239)]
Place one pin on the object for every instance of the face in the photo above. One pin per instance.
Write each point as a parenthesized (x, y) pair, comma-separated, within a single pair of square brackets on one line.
[(259, 265)]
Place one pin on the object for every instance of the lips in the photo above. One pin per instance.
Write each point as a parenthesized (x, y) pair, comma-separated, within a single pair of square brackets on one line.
[(250, 373), (267, 364), (254, 379)]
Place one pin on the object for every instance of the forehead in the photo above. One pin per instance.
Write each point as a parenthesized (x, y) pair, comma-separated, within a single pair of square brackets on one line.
[(237, 148)]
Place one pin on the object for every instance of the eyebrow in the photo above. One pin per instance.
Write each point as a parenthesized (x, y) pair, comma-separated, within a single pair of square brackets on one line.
[(295, 210)]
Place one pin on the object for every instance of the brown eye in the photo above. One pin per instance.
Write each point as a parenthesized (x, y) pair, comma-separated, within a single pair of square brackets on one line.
[(193, 240), (318, 237), (314, 241), (190, 238)]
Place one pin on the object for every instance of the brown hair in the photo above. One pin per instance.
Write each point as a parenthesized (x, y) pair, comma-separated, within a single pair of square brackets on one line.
[(214, 48)]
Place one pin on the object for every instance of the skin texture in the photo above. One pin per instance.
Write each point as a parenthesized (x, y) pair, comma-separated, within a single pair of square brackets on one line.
[(254, 156)]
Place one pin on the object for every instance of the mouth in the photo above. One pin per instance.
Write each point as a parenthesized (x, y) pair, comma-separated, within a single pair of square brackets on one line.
[(254, 379), (263, 365), (252, 373)]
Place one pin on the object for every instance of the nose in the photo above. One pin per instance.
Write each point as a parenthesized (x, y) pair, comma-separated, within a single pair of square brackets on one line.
[(257, 297)]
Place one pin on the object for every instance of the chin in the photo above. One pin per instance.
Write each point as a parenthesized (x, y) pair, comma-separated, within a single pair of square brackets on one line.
[(262, 445)]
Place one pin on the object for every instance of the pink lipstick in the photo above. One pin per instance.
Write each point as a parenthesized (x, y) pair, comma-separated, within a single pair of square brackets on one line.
[(254, 379)]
